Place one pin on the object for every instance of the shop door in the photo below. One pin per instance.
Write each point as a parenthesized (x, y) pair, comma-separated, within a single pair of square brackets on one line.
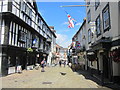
[(105, 66), (4, 66)]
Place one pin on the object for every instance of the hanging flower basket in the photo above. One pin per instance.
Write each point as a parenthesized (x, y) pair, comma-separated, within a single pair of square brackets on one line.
[(115, 54), (29, 50)]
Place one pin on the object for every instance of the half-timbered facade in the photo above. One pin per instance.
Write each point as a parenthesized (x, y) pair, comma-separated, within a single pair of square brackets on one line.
[(25, 38)]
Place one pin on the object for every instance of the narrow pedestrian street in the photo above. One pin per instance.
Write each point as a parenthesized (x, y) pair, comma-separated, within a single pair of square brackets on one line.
[(51, 78)]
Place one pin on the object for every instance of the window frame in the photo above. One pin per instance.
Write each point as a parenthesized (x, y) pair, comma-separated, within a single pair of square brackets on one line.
[(98, 18), (20, 36), (107, 8), (89, 36)]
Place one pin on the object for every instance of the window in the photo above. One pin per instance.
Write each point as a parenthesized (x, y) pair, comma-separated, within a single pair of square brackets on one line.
[(89, 16), (3, 5), (22, 36), (106, 18), (2, 31), (97, 3), (23, 5), (98, 26), (89, 36), (15, 10)]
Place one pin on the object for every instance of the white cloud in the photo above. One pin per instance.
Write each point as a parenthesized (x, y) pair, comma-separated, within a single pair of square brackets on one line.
[(65, 23), (78, 24), (62, 40)]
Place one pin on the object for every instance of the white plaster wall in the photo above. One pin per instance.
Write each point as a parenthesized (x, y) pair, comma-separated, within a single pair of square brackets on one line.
[(49, 59), (100, 60), (116, 69)]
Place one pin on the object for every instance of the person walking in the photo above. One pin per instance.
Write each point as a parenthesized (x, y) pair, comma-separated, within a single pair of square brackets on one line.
[(60, 62), (43, 63), (64, 63)]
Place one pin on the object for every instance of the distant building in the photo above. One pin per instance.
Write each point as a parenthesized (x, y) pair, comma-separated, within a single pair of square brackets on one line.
[(61, 54), (79, 47), (25, 38)]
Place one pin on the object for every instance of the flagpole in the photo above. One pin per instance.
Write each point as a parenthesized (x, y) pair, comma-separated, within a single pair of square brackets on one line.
[(76, 6)]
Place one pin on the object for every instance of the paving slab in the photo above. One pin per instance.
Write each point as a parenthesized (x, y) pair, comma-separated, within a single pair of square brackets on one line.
[(53, 77)]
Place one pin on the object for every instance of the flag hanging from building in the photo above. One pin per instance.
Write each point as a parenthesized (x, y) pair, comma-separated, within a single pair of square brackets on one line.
[(71, 21)]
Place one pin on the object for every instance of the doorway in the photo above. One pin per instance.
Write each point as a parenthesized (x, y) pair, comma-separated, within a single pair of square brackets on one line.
[(105, 66)]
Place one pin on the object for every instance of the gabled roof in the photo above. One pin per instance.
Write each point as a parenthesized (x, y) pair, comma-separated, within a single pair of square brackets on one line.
[(79, 29)]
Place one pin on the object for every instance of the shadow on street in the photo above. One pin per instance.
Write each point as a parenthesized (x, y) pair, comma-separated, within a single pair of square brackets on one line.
[(87, 75)]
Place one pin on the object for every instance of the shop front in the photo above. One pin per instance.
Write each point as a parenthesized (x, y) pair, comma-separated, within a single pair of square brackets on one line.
[(11, 58), (114, 56), (102, 62)]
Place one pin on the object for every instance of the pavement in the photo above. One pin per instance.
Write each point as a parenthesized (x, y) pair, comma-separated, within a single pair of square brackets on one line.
[(53, 77)]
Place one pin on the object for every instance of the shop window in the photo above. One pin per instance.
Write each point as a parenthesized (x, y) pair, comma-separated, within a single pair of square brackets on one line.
[(98, 26), (106, 18)]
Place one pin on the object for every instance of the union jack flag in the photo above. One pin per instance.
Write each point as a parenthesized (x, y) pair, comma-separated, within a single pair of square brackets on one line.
[(71, 21)]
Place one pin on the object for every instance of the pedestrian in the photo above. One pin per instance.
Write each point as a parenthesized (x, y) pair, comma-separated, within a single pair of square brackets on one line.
[(64, 63), (43, 64), (60, 63)]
